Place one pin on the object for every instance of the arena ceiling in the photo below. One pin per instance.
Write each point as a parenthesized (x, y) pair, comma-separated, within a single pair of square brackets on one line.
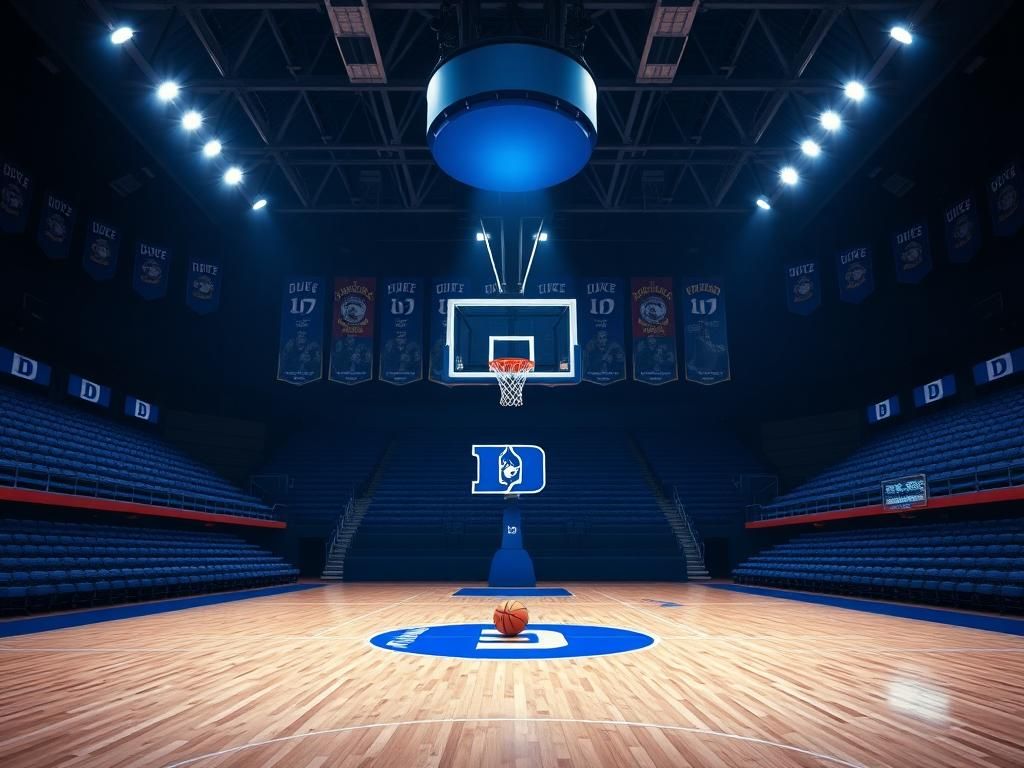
[(330, 118)]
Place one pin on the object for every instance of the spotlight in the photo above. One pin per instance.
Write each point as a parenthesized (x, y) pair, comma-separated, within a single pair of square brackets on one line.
[(855, 91), (122, 35), (789, 176), (831, 121), (168, 90), (191, 120), (480, 237), (810, 148), (763, 204), (543, 237), (260, 204), (901, 35), (212, 148), (233, 175)]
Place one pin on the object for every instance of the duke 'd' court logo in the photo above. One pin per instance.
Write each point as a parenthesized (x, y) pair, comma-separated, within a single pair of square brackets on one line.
[(538, 641)]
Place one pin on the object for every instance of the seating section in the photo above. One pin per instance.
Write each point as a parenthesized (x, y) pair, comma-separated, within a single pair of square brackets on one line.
[(45, 446), (972, 447), (597, 518), (49, 565), (976, 563)]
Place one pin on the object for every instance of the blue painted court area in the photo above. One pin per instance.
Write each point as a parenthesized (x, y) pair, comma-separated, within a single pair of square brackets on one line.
[(662, 603), (118, 612), (512, 592), (939, 616)]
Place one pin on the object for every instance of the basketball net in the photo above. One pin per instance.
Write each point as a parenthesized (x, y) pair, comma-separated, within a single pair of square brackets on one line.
[(511, 373)]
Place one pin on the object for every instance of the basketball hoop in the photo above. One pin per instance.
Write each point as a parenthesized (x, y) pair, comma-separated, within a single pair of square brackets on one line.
[(511, 374)]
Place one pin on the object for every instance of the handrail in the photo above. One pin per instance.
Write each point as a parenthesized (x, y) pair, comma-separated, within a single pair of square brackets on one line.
[(332, 539), (681, 508)]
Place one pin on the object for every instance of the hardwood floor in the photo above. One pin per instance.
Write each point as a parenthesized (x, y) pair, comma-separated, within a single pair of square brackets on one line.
[(290, 680)]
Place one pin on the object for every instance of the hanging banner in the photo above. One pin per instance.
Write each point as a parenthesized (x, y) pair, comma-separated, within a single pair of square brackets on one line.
[(999, 367), (202, 286), (300, 350), (15, 196), (602, 331), (563, 288), (803, 288), (352, 330), (934, 391), (401, 332), (22, 367), (99, 255), (884, 410), (442, 290), (963, 230), (140, 409), (89, 391), (654, 331), (1004, 200), (150, 271), (912, 253), (56, 225), (705, 332), (856, 272)]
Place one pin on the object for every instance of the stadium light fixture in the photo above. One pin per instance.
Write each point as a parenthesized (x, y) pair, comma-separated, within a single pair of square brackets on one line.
[(810, 147), (763, 204), (543, 237), (233, 175), (901, 34), (212, 148), (168, 90), (480, 237), (122, 35), (789, 176), (831, 121), (855, 90), (260, 204), (191, 120)]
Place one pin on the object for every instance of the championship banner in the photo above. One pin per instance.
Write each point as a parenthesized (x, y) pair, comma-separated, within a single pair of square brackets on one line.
[(99, 255), (1004, 200), (602, 331), (140, 409), (21, 367), (15, 196), (705, 333), (150, 271), (654, 331), (963, 230), (401, 332), (912, 253), (202, 286), (934, 391), (300, 353), (803, 288), (856, 272), (884, 410), (56, 225), (999, 367), (352, 330), (442, 289), (89, 391)]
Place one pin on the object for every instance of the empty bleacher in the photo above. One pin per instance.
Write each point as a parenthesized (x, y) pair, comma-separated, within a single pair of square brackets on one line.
[(46, 446), (48, 564)]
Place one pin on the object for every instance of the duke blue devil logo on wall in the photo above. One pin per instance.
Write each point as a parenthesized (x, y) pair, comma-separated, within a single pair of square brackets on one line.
[(509, 469), (15, 195)]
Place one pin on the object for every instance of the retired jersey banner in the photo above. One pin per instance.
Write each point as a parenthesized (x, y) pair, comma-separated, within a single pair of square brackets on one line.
[(21, 367), (15, 196), (401, 332), (300, 350), (99, 255), (89, 391), (912, 253), (963, 230), (705, 332), (442, 289), (552, 289), (352, 330), (999, 367), (934, 391), (56, 225), (884, 410), (602, 331), (151, 271), (1005, 191), (803, 287), (856, 272), (202, 286), (654, 331)]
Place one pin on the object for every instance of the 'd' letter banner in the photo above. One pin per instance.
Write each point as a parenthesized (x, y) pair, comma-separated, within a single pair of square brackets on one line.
[(934, 391), (21, 367), (300, 354), (705, 332), (56, 224), (654, 331), (912, 253), (15, 196), (963, 230), (884, 410), (602, 330), (150, 271), (1004, 200), (856, 273), (202, 286), (140, 409), (401, 332), (90, 391), (803, 288), (99, 255), (442, 290), (352, 330), (999, 367)]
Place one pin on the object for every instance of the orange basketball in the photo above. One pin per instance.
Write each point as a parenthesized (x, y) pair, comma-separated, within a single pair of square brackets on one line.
[(511, 618)]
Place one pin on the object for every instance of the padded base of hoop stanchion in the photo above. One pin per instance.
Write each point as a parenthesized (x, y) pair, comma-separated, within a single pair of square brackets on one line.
[(511, 565)]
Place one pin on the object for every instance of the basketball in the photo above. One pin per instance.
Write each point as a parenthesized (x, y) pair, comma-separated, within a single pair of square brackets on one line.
[(511, 618)]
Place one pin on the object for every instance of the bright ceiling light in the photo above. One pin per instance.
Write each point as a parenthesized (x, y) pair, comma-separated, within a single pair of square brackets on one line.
[(191, 120), (260, 204), (763, 204), (789, 176), (233, 175), (901, 35), (122, 35), (212, 148), (480, 237), (810, 147), (543, 237), (831, 121), (855, 90), (168, 90)]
